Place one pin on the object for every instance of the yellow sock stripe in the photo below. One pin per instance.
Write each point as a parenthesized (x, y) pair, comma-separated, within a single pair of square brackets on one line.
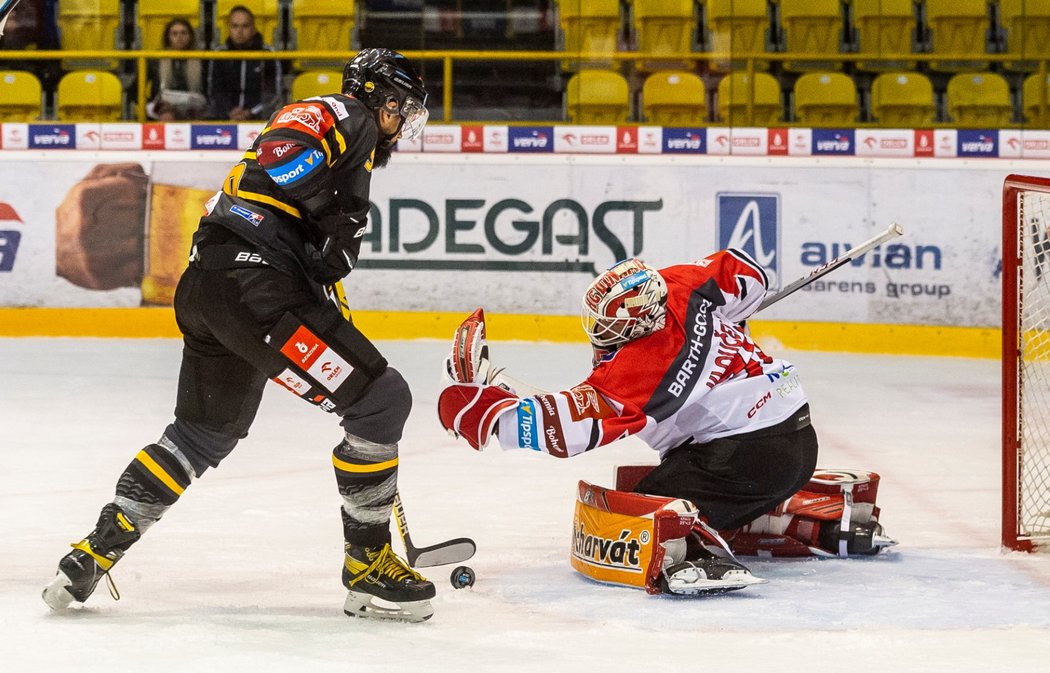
[(159, 472), (102, 561), (370, 467)]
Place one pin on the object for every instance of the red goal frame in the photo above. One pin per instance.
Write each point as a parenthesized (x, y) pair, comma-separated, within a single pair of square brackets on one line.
[(1012, 535)]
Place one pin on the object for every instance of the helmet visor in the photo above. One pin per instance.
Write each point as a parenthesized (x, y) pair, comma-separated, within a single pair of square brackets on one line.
[(415, 116)]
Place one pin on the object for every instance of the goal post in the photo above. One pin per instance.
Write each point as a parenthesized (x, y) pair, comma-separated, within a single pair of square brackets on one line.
[(1026, 363)]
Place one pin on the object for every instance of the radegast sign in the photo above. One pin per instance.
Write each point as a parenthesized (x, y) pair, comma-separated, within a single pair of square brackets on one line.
[(508, 234)]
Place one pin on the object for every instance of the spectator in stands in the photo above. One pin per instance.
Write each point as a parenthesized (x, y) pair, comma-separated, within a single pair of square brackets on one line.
[(243, 90), (177, 84), (31, 25)]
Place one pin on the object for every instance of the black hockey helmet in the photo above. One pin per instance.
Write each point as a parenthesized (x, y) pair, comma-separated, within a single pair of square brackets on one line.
[(377, 76)]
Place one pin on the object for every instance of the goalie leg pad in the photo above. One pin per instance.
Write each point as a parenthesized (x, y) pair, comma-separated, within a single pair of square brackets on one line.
[(639, 540), (834, 514)]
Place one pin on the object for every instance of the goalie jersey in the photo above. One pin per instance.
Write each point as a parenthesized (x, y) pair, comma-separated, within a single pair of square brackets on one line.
[(699, 378)]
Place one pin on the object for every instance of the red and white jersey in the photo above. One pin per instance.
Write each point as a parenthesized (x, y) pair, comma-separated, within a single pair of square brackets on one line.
[(699, 378)]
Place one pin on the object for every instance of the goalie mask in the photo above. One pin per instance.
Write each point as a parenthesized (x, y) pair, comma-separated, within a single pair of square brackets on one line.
[(625, 303), (380, 77)]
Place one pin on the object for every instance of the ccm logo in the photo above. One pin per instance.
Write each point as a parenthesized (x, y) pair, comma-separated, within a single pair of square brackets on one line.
[(249, 257)]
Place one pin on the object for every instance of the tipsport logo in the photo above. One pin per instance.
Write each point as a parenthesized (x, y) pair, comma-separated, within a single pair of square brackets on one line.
[(751, 222)]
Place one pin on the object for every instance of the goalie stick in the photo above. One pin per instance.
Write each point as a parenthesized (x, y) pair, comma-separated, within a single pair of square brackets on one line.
[(450, 551), (6, 6), (893, 231)]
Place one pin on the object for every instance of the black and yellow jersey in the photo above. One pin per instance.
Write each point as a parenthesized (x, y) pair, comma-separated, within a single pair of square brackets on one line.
[(312, 157)]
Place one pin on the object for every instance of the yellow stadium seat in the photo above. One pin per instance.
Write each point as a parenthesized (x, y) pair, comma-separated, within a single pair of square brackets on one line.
[(155, 14), (736, 27), (664, 27), (598, 97), (735, 97), (1035, 100), (89, 96), (958, 29), (902, 100), (812, 27), (674, 99), (267, 17), (979, 100), (88, 24), (826, 99), (885, 28), (323, 25), (589, 27), (316, 83), (20, 96), (1027, 24)]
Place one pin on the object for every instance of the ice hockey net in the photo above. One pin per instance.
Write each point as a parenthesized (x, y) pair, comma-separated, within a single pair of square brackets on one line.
[(1026, 363)]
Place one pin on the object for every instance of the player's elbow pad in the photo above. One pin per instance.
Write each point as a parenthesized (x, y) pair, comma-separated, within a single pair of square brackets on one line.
[(471, 411)]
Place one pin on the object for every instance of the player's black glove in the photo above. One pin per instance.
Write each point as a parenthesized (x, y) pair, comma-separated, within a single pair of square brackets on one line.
[(339, 244)]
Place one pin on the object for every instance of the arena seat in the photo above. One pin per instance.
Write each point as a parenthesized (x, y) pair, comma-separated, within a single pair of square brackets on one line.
[(886, 28), (958, 28), (979, 100), (267, 19), (735, 94), (826, 99), (812, 27), (89, 96), (316, 83), (88, 24), (902, 100), (1035, 101), (736, 27), (153, 15), (598, 97), (323, 25), (20, 96), (672, 98), (589, 27), (1027, 27), (663, 27)]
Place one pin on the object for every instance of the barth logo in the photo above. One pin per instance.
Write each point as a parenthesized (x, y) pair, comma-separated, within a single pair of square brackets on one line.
[(473, 139), (684, 140), (924, 143), (52, 136), (751, 222), (627, 139), (531, 138), (213, 137), (777, 142), (978, 143), (828, 141)]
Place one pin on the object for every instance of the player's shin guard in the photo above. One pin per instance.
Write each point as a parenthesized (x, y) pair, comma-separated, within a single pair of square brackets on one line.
[(151, 483), (379, 584), (834, 514)]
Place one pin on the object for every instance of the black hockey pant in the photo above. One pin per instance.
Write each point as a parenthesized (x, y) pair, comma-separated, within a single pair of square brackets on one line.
[(733, 480)]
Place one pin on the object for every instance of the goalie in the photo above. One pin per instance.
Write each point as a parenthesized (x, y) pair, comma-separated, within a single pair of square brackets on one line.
[(674, 365)]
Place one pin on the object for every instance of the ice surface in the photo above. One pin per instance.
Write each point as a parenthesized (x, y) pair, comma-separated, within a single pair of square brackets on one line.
[(243, 574)]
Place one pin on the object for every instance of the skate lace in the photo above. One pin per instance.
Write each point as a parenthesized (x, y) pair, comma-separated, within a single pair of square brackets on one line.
[(386, 562)]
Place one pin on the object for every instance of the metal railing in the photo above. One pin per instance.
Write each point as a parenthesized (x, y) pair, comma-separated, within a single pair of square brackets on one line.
[(449, 59)]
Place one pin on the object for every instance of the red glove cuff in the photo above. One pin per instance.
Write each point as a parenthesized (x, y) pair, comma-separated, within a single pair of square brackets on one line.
[(471, 410)]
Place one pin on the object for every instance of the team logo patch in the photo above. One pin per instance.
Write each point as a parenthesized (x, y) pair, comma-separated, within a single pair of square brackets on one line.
[(312, 354), (307, 116)]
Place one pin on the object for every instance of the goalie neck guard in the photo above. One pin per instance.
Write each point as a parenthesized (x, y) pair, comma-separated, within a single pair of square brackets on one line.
[(626, 302)]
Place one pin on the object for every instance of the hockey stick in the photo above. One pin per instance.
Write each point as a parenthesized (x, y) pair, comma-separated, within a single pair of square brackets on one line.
[(6, 6), (451, 551), (893, 231), (442, 553)]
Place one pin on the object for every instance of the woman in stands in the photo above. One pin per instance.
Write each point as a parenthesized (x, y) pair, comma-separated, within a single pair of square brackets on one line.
[(177, 84)]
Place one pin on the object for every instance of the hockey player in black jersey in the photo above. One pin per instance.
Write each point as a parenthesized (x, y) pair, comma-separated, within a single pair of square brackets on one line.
[(255, 304)]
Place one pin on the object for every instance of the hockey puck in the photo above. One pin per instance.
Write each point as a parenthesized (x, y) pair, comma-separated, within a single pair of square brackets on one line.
[(462, 577)]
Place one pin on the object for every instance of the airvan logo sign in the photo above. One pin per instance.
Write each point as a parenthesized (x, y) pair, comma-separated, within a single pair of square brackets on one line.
[(751, 222)]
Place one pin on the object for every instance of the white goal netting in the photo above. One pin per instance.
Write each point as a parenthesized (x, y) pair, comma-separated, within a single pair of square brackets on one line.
[(1033, 366)]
